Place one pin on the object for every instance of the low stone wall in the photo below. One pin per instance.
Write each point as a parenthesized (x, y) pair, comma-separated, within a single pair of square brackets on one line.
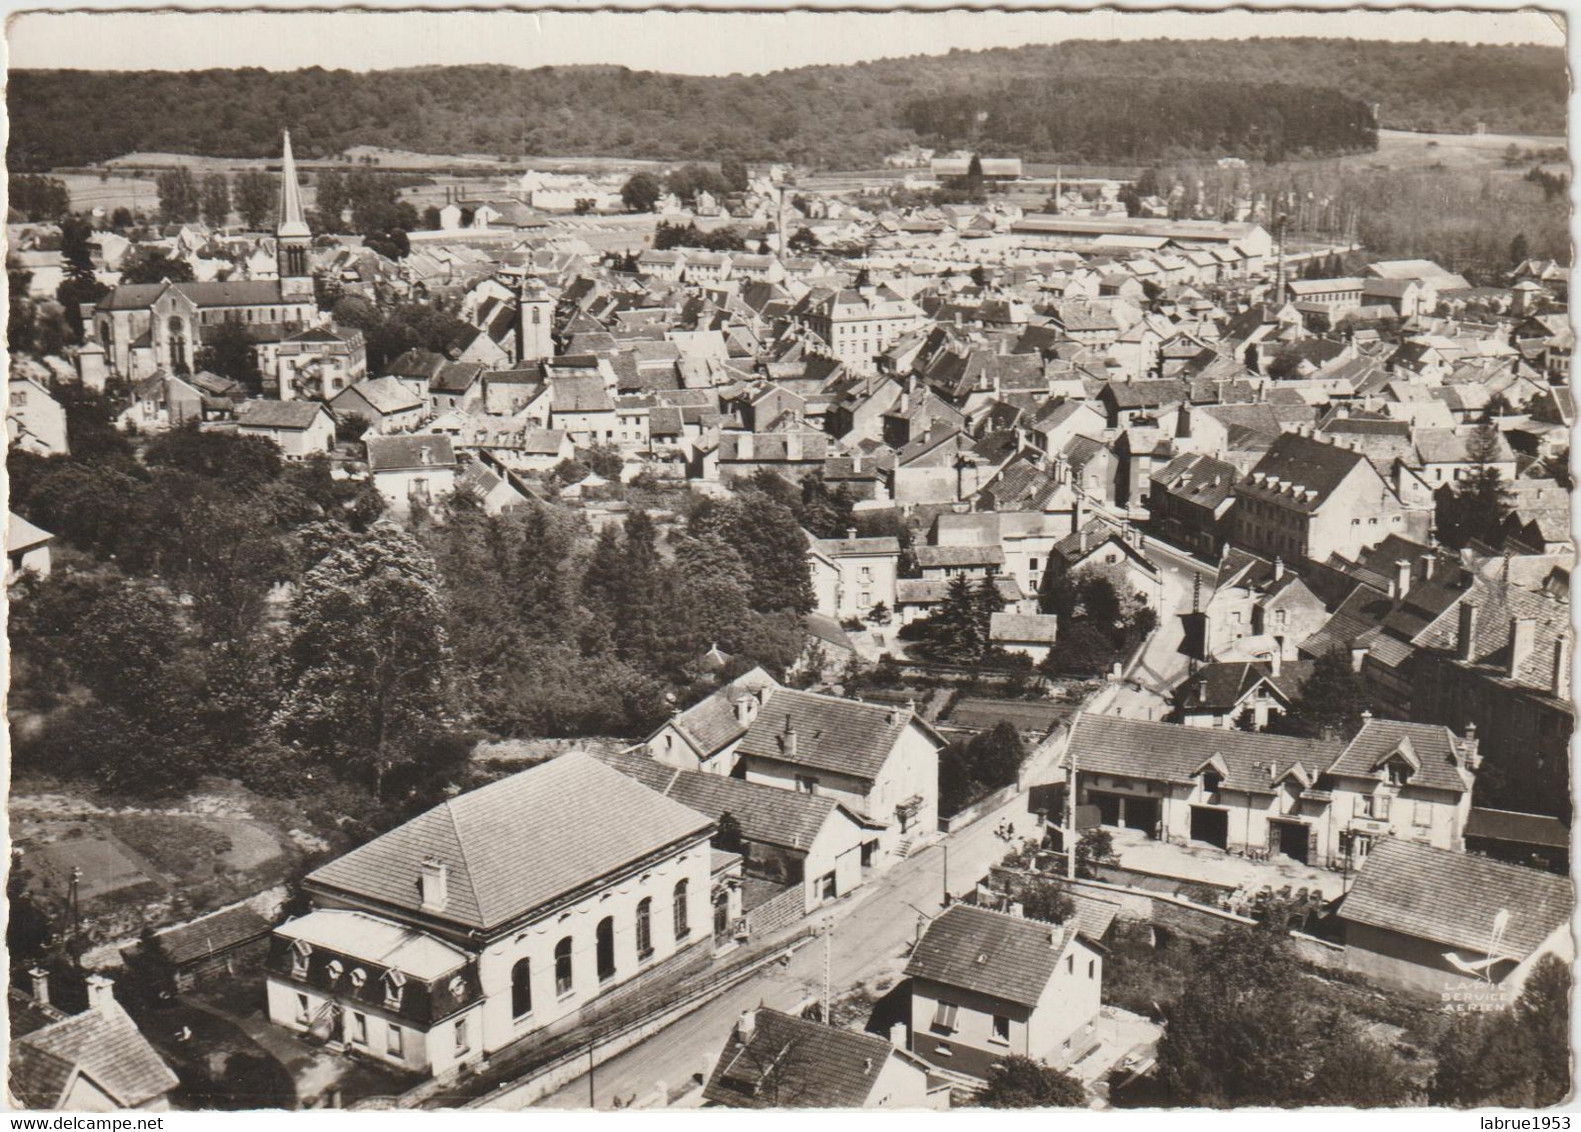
[(977, 809), (780, 912)]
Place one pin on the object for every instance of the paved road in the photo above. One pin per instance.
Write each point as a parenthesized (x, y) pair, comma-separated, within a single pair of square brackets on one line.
[(871, 936)]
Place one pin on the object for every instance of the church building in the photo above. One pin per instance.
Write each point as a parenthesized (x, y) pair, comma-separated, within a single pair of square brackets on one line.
[(146, 327)]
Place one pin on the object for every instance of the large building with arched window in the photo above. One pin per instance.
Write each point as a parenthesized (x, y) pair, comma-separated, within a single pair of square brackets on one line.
[(147, 327), (488, 918)]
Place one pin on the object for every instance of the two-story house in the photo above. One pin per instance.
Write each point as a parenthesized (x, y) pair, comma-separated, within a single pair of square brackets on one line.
[(851, 576), (988, 985), (881, 762), (1314, 801), (419, 468), (298, 428), (493, 916)]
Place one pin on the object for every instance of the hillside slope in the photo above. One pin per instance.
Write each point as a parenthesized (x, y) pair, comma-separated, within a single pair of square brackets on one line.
[(1082, 100)]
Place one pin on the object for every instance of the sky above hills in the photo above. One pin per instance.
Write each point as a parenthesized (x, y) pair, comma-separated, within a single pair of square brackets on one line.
[(699, 43)]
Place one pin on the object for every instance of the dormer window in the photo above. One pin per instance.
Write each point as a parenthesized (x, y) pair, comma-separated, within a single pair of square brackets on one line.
[(1399, 772), (358, 977), (301, 952), (393, 982), (336, 969), (1212, 780)]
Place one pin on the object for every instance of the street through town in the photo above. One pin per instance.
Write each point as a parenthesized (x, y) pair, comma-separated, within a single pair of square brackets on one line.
[(872, 933)]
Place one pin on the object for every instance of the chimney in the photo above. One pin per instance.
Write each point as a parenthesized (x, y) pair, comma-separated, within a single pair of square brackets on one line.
[(788, 740), (1077, 515), (1402, 576), (897, 1035), (850, 532), (1523, 637), (1279, 568), (1470, 748), (435, 885), (1466, 635), (1276, 660), (40, 979), (101, 993), (746, 1025), (1016, 909), (1561, 674), (1084, 540), (1427, 562)]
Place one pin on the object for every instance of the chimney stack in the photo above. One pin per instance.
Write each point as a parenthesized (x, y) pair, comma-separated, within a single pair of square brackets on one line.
[(897, 1035), (1077, 515), (40, 979), (1279, 568), (746, 1025), (101, 993), (1016, 909), (1402, 576), (1561, 674), (1466, 635), (1523, 638), (434, 884), (1276, 660)]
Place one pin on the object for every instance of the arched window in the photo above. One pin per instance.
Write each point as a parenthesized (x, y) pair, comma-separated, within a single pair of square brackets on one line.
[(606, 949), (521, 988), (683, 927), (645, 927), (562, 966)]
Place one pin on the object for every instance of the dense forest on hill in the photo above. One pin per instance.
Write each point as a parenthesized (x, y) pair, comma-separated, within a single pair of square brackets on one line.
[(1107, 100)]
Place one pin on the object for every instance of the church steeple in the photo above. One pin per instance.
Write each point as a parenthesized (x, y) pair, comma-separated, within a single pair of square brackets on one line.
[(291, 221), (292, 235)]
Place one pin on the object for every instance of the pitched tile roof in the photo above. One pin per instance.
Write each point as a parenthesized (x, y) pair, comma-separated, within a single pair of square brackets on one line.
[(713, 722), (409, 453), (211, 934), (992, 953), (1518, 828), (767, 814), (924, 591), (1170, 752), (1431, 750), (279, 414), (102, 1044), (1452, 898), (946, 556), (1497, 605), (792, 1063), (1023, 627), (1295, 461), (517, 844), (825, 733)]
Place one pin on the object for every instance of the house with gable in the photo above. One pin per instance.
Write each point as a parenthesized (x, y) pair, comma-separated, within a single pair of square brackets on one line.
[(986, 986), (493, 916), (386, 403), (792, 840), (704, 736), (417, 468), (1309, 499), (852, 576), (96, 1061), (774, 1060), (1315, 801), (880, 761), (298, 428)]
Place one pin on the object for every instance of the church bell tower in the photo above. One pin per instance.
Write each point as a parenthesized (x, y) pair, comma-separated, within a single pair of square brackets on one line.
[(292, 237)]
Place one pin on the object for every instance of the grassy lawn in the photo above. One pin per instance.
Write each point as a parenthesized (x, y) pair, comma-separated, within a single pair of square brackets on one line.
[(219, 1065)]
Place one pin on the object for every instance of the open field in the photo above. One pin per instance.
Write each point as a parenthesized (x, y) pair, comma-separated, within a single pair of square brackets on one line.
[(1398, 149)]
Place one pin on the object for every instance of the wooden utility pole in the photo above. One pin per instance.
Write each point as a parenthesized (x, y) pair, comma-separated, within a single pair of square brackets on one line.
[(828, 1004)]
